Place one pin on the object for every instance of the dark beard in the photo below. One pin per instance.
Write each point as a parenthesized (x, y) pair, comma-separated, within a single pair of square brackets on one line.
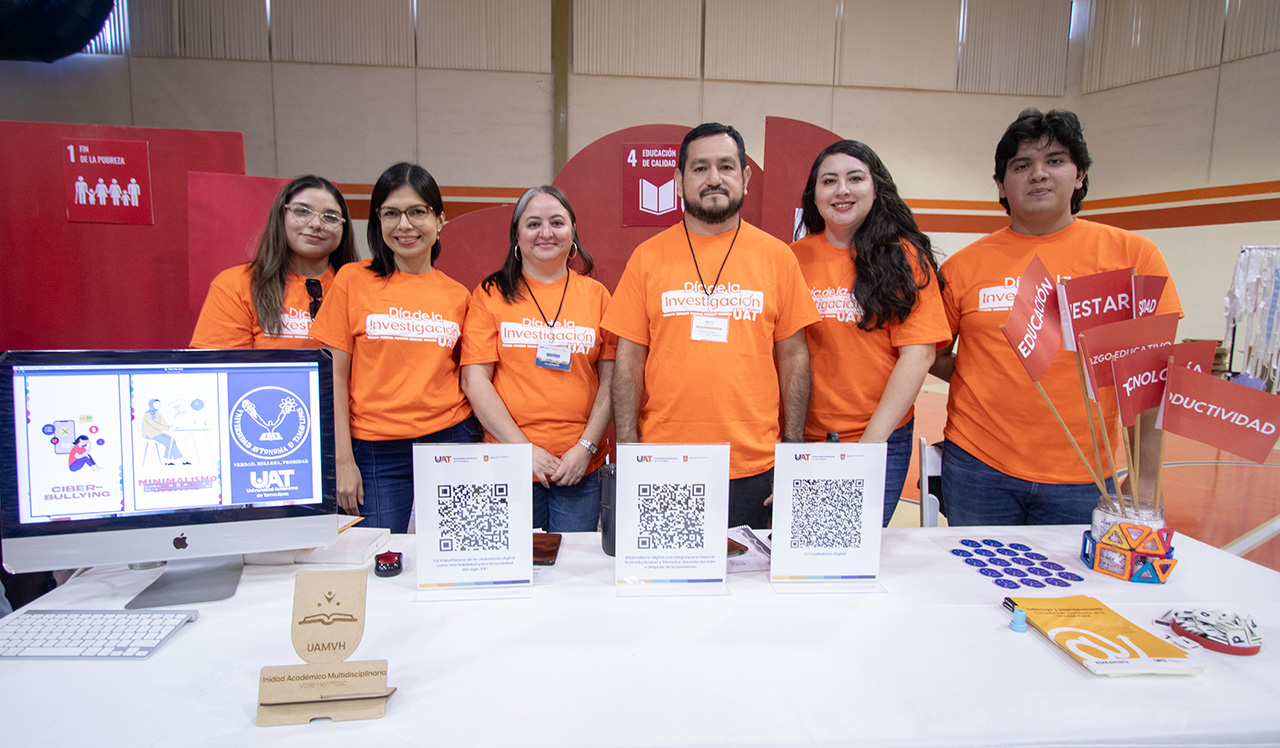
[(713, 216)]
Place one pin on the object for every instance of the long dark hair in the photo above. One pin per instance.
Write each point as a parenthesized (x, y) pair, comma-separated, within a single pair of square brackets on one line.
[(395, 177), (507, 279), (269, 270), (885, 287)]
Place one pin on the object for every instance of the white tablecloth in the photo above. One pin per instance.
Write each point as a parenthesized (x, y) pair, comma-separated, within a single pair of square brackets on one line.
[(931, 661)]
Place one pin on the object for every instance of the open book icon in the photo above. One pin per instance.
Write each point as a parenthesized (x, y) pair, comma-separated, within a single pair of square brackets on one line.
[(657, 199)]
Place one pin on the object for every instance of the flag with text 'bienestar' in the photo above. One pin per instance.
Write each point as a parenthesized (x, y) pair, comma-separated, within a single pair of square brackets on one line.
[(1092, 300), (1101, 345), (1222, 414), (1146, 293), (1140, 376), (1033, 327)]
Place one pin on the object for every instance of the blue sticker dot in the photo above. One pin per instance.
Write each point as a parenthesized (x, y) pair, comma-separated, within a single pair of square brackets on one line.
[(1008, 584), (993, 543), (1015, 572), (1057, 582), (1037, 556), (1052, 565), (101, 442), (1070, 577), (1040, 572), (975, 562), (961, 552), (1019, 547), (1006, 552), (989, 572), (999, 562), (984, 552), (970, 543), (1029, 582), (1020, 561)]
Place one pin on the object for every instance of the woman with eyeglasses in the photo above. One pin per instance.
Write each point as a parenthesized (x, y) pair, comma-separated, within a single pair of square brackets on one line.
[(393, 324), (873, 276), (270, 302), (536, 364)]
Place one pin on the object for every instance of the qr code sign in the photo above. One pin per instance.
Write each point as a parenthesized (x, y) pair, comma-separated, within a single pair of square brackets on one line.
[(672, 515), (473, 517), (826, 513)]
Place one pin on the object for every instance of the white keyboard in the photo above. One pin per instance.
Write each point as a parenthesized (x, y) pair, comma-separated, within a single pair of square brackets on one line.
[(88, 634)]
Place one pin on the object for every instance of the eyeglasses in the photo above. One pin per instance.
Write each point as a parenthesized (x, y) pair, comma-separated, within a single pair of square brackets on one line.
[(316, 292), (303, 214), (417, 215)]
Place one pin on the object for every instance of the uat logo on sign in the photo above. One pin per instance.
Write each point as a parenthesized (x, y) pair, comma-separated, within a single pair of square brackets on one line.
[(644, 458), (802, 455), (443, 458)]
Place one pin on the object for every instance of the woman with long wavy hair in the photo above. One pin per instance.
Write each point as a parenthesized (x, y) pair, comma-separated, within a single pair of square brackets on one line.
[(270, 301), (536, 365), (393, 324), (874, 278)]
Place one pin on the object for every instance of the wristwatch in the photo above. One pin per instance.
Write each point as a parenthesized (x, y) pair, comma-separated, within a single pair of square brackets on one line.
[(591, 448)]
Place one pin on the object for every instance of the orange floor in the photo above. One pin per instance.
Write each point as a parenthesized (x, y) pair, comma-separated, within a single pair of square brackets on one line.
[(1210, 495)]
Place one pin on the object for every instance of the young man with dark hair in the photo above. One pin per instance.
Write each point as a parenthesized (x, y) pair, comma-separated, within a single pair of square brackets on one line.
[(1006, 460), (710, 316)]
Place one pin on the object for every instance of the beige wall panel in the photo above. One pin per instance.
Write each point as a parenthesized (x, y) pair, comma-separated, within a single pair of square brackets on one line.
[(91, 89), (512, 35), (874, 50), (347, 123), (1150, 137), (1245, 143), (499, 139), (762, 40), (936, 145), (745, 106), (599, 105), (661, 38), (209, 95)]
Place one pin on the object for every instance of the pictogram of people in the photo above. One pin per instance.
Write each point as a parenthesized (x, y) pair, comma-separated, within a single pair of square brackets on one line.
[(116, 192), (132, 190), (156, 428), (82, 191), (101, 191), (122, 195), (79, 455)]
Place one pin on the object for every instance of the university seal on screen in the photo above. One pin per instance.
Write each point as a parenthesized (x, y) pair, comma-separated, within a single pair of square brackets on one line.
[(270, 422)]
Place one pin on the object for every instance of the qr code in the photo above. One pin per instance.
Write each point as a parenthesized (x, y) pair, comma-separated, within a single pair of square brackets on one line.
[(473, 517), (826, 513), (672, 515)]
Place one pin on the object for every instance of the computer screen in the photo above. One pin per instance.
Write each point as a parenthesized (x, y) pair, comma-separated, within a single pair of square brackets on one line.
[(138, 456)]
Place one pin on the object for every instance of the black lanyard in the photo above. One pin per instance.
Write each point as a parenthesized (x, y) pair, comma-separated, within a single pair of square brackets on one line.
[(698, 270), (563, 293)]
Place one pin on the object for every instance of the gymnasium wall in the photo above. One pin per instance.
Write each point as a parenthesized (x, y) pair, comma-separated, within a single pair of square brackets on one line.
[(1161, 147)]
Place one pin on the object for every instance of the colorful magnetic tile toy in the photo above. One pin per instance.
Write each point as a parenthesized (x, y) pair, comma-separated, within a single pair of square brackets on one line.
[(1129, 552)]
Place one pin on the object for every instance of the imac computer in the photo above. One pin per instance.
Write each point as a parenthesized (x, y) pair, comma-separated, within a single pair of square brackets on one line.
[(187, 457)]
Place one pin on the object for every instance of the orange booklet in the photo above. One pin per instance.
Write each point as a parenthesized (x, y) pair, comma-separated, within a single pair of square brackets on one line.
[(1100, 639)]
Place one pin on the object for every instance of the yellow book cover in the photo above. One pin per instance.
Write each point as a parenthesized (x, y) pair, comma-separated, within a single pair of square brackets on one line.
[(1102, 640)]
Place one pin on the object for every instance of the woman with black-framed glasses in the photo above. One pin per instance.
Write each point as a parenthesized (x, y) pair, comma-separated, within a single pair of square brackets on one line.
[(271, 301)]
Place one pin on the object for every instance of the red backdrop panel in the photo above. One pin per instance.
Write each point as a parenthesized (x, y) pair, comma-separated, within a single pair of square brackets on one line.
[(789, 149), (475, 244), (97, 285), (226, 216)]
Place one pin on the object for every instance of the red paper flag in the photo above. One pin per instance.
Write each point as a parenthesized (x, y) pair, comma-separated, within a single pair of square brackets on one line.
[(1092, 300), (1099, 346), (1146, 293), (1033, 327), (1140, 376), (1226, 415)]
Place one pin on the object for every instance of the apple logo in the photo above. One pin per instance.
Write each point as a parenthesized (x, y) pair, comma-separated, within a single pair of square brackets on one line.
[(180, 542)]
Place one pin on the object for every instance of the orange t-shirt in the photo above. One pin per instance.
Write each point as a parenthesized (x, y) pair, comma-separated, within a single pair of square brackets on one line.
[(710, 392), (851, 366), (402, 333), (994, 411), (551, 407), (228, 318)]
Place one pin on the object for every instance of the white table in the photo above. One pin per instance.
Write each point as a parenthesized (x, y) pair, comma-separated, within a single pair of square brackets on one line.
[(929, 662)]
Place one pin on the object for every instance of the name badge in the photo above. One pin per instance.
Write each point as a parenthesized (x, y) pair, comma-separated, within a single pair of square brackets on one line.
[(709, 329), (557, 357)]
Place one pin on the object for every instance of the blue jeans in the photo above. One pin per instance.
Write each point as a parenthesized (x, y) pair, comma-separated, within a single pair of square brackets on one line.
[(974, 493), (386, 470), (897, 461), (746, 501), (573, 508)]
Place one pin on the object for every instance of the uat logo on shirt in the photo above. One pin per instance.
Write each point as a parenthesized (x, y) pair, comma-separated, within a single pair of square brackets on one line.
[(413, 325)]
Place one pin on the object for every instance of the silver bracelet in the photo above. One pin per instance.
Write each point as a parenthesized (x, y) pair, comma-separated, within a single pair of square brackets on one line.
[(591, 448)]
